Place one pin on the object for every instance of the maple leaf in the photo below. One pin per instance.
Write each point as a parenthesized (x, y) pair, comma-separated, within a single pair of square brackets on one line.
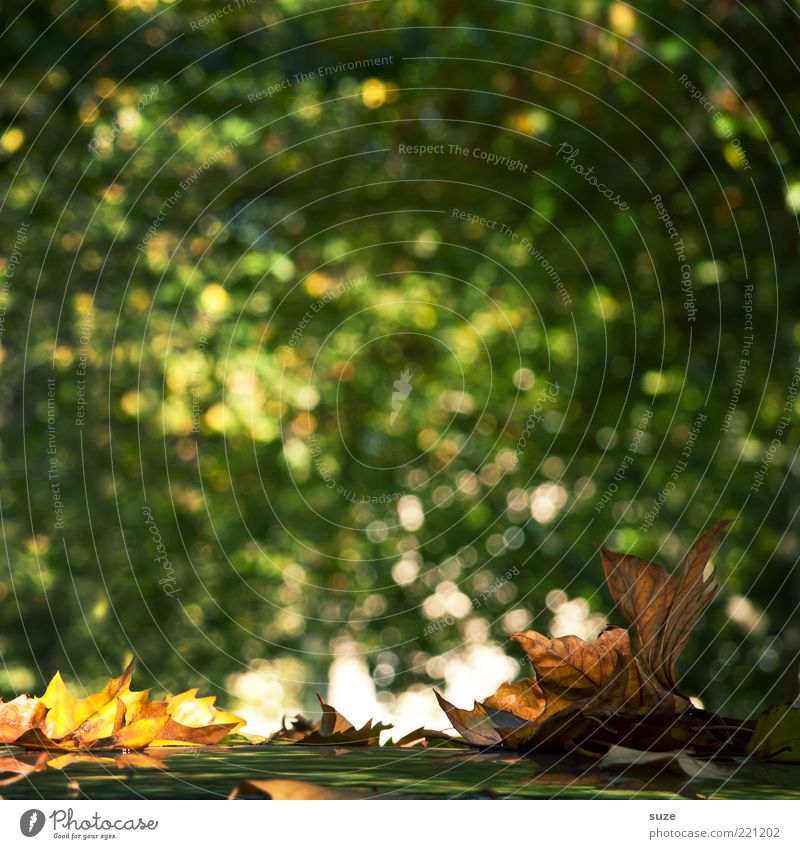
[(617, 688), (530, 715), (475, 725), (569, 669), (144, 721), (113, 718), (335, 730), (662, 608), (18, 717), (484, 726), (525, 699), (66, 712), (193, 721)]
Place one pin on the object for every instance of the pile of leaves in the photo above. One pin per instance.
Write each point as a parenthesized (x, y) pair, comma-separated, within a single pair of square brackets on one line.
[(116, 717), (334, 729), (621, 689)]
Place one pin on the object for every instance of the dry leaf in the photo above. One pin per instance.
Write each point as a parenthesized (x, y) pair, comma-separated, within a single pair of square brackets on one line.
[(570, 669), (282, 789), (66, 712), (426, 738), (113, 718), (336, 730), (662, 608), (617, 689), (292, 729), (525, 699), (18, 716), (144, 722), (474, 725)]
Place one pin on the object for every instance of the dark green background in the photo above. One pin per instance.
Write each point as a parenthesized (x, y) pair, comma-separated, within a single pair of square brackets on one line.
[(268, 560)]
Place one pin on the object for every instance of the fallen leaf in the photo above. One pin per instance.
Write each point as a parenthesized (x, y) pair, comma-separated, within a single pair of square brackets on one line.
[(332, 721), (283, 789), (474, 725), (525, 699), (292, 729), (662, 608), (777, 735), (113, 718), (564, 722), (105, 723), (618, 689), (175, 734), (18, 716), (426, 738), (144, 722), (700, 770), (37, 739), (570, 669), (193, 721), (66, 711), (336, 730), (624, 756), (187, 709)]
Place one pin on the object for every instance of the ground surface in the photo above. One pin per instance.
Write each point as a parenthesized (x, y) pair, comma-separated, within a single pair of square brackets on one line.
[(393, 773)]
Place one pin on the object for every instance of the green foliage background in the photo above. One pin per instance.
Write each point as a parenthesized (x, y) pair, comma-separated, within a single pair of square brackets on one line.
[(294, 197)]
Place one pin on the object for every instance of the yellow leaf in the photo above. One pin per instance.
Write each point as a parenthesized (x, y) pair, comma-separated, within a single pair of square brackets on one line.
[(279, 789), (66, 712)]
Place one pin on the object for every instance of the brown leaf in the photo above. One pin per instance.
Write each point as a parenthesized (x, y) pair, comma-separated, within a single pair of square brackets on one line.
[(336, 730), (569, 669), (663, 609), (563, 722), (525, 699), (332, 721), (195, 721), (579, 684), (284, 789), (474, 725), (18, 716), (570, 665), (292, 729), (426, 738), (617, 690), (36, 739), (175, 734), (485, 727)]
